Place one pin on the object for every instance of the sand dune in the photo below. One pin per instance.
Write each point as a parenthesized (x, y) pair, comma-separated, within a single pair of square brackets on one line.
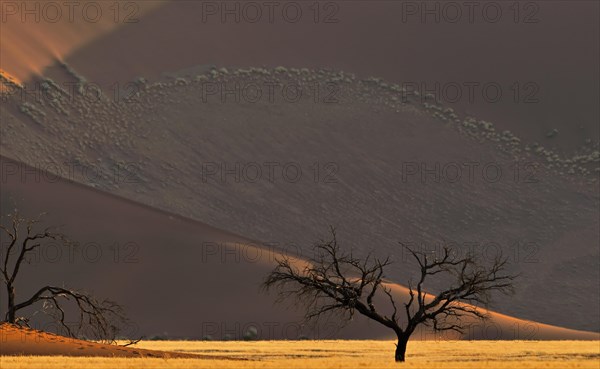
[(36, 34), (557, 68), (171, 150), (18, 340), (369, 39), (184, 279)]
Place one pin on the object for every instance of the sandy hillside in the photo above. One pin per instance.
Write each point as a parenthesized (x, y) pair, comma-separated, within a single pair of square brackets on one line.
[(354, 162), (551, 51), (214, 288), (35, 34), (25, 341), (166, 143)]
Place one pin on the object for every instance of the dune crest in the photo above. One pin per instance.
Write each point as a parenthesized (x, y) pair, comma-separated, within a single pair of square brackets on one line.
[(35, 34)]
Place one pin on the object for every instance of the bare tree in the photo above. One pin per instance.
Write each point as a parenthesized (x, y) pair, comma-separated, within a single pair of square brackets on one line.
[(337, 283), (98, 319)]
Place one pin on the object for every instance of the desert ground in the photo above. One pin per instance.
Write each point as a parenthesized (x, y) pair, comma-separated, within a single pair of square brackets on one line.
[(48, 351), (332, 354)]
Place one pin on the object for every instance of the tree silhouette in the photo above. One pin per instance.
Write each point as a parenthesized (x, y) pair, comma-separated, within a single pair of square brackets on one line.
[(100, 319), (338, 283)]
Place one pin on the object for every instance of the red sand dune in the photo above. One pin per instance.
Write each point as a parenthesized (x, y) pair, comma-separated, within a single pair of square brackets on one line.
[(172, 284), (15, 340), (35, 34), (557, 55), (169, 137), (368, 40)]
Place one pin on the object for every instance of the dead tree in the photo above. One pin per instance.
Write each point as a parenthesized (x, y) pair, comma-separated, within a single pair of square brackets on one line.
[(98, 319), (338, 283)]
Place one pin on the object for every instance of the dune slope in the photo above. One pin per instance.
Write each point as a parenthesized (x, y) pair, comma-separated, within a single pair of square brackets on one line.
[(16, 340), (179, 278), (377, 163), (547, 77)]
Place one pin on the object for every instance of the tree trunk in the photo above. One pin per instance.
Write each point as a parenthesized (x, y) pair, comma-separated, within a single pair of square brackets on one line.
[(401, 348), (10, 315)]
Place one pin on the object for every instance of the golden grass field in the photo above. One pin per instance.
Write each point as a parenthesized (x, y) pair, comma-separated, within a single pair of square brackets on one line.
[(340, 354)]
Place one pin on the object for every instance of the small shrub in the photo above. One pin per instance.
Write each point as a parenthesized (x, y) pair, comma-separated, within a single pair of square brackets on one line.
[(251, 334)]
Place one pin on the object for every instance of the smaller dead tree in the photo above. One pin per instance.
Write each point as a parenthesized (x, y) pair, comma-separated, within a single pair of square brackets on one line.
[(338, 283), (97, 319)]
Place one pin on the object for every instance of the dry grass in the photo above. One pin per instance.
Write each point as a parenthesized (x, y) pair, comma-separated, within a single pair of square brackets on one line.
[(343, 354)]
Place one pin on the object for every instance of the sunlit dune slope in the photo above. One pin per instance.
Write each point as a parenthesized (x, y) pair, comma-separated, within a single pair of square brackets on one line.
[(34, 34), (16, 340), (504, 326), (547, 77), (181, 278)]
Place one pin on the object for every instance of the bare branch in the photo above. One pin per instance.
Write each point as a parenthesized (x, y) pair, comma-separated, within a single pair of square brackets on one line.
[(100, 318), (337, 282)]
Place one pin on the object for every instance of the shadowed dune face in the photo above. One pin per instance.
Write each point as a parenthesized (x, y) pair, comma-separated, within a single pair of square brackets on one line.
[(367, 163), (213, 291), (542, 58)]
